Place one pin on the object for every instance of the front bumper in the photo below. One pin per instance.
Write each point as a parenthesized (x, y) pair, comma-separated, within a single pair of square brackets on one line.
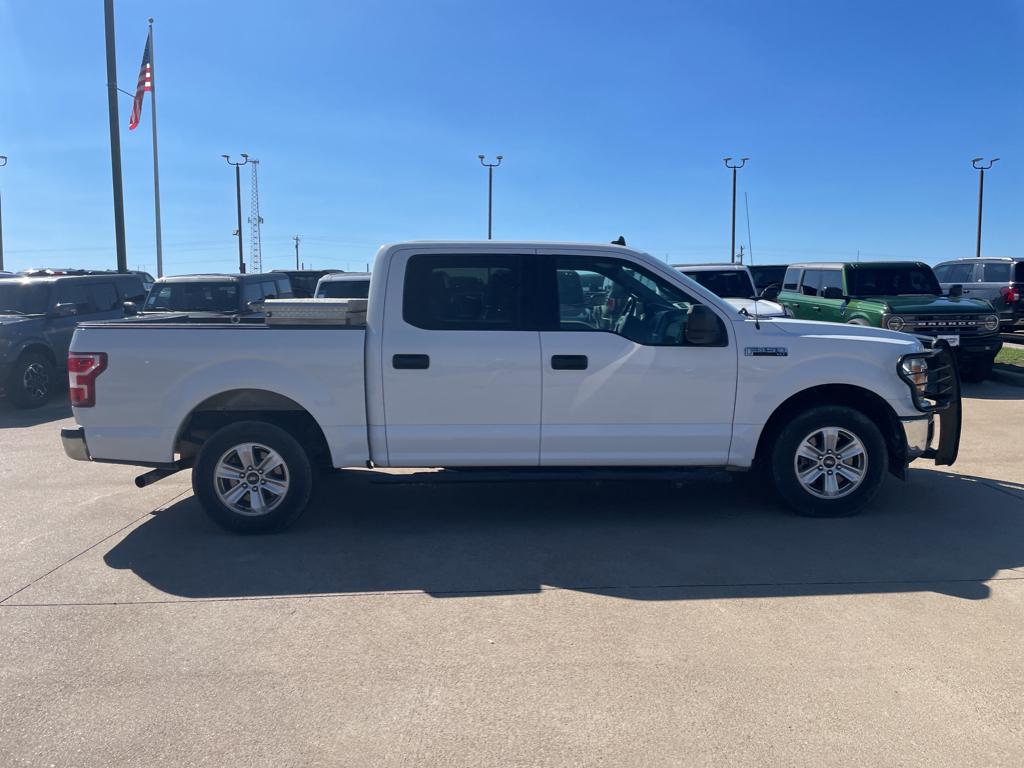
[(918, 431), (73, 440)]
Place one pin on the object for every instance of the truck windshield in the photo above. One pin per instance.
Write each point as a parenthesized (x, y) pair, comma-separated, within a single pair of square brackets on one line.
[(727, 283), (344, 289), (193, 297), (894, 281), (21, 298)]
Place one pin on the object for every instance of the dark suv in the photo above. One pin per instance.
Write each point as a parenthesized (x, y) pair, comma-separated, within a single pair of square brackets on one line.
[(38, 315), (998, 281), (215, 295)]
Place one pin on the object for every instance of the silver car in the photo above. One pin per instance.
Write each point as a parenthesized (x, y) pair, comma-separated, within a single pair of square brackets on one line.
[(1000, 281)]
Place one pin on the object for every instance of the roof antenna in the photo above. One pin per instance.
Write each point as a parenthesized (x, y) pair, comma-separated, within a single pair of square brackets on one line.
[(750, 247), (620, 241)]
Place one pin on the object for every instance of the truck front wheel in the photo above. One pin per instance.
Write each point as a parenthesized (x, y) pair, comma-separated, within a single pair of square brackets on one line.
[(829, 462), (252, 476)]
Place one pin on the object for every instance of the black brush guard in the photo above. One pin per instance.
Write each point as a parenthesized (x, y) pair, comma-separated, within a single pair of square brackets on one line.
[(941, 397)]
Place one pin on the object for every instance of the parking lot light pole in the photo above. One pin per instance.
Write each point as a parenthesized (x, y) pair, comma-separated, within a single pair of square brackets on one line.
[(979, 164), (490, 188), (734, 167), (3, 162), (238, 200)]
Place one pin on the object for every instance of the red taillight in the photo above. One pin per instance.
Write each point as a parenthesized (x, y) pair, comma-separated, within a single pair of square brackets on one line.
[(1010, 294), (83, 368)]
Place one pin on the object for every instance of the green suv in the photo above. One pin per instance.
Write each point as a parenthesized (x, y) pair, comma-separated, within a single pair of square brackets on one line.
[(898, 295)]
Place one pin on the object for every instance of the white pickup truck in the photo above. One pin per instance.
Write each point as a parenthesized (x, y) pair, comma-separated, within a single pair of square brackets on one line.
[(509, 355)]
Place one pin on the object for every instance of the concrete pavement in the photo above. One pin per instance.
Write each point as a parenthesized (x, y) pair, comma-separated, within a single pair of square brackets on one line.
[(406, 621)]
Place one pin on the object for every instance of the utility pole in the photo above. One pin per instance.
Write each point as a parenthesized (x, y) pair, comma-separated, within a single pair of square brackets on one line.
[(734, 168), (115, 136), (979, 165), (3, 162), (238, 199), (490, 189), (297, 239)]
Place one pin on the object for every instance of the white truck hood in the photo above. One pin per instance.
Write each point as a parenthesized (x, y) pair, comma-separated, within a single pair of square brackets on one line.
[(814, 329), (762, 307)]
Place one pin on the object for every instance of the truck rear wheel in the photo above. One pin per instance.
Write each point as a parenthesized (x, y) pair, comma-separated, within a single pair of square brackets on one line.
[(252, 477), (829, 462)]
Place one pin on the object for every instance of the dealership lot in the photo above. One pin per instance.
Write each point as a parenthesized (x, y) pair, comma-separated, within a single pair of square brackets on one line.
[(410, 619)]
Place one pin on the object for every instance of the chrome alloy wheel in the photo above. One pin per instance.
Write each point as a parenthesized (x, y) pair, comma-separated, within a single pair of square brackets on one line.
[(831, 462), (36, 381), (251, 479)]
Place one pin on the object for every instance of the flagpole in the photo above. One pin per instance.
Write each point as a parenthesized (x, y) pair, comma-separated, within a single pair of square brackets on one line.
[(156, 161)]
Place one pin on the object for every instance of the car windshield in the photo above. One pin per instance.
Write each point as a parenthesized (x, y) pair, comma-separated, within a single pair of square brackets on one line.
[(193, 297), (21, 298), (727, 283), (765, 276), (894, 281), (344, 289)]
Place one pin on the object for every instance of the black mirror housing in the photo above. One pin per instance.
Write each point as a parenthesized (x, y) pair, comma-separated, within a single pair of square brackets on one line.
[(833, 293), (130, 308), (956, 291)]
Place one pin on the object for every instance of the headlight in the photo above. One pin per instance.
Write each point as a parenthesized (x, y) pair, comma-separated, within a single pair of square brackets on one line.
[(915, 370), (894, 323), (991, 322)]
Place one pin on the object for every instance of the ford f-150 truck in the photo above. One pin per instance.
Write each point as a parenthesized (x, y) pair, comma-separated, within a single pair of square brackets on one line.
[(484, 354)]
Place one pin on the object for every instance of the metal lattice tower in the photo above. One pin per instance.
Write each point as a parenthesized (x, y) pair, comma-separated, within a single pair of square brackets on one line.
[(255, 257)]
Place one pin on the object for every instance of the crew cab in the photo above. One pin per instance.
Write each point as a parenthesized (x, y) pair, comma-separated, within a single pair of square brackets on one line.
[(485, 354), (900, 296)]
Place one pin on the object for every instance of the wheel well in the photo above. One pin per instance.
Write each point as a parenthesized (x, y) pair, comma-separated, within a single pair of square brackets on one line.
[(863, 400), (251, 405), (41, 349)]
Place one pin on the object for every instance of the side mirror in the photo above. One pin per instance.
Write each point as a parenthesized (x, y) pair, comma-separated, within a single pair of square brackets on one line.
[(130, 308), (66, 309), (833, 293), (704, 328), (770, 293), (956, 291)]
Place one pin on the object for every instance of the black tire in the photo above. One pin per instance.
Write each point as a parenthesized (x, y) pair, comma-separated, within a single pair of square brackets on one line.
[(283, 510), (977, 370), (784, 462), (32, 381), (859, 321)]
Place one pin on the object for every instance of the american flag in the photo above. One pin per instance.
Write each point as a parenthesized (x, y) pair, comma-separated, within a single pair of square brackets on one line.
[(145, 84)]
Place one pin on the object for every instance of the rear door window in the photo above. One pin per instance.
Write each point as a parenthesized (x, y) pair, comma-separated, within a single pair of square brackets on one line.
[(463, 292), (995, 272)]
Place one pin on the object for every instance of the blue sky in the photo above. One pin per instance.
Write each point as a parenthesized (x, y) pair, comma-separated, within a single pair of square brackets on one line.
[(860, 119)]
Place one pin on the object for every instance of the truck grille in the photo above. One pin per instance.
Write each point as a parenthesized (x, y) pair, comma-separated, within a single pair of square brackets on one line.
[(943, 323)]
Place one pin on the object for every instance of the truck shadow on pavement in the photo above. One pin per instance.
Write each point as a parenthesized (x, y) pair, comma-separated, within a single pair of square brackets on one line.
[(710, 535)]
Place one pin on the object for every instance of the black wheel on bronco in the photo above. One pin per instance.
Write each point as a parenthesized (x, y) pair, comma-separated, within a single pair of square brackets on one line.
[(829, 462), (32, 380), (252, 476)]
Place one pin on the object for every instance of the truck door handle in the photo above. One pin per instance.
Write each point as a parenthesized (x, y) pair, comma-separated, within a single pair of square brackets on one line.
[(411, 362), (816, 308), (569, 362)]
